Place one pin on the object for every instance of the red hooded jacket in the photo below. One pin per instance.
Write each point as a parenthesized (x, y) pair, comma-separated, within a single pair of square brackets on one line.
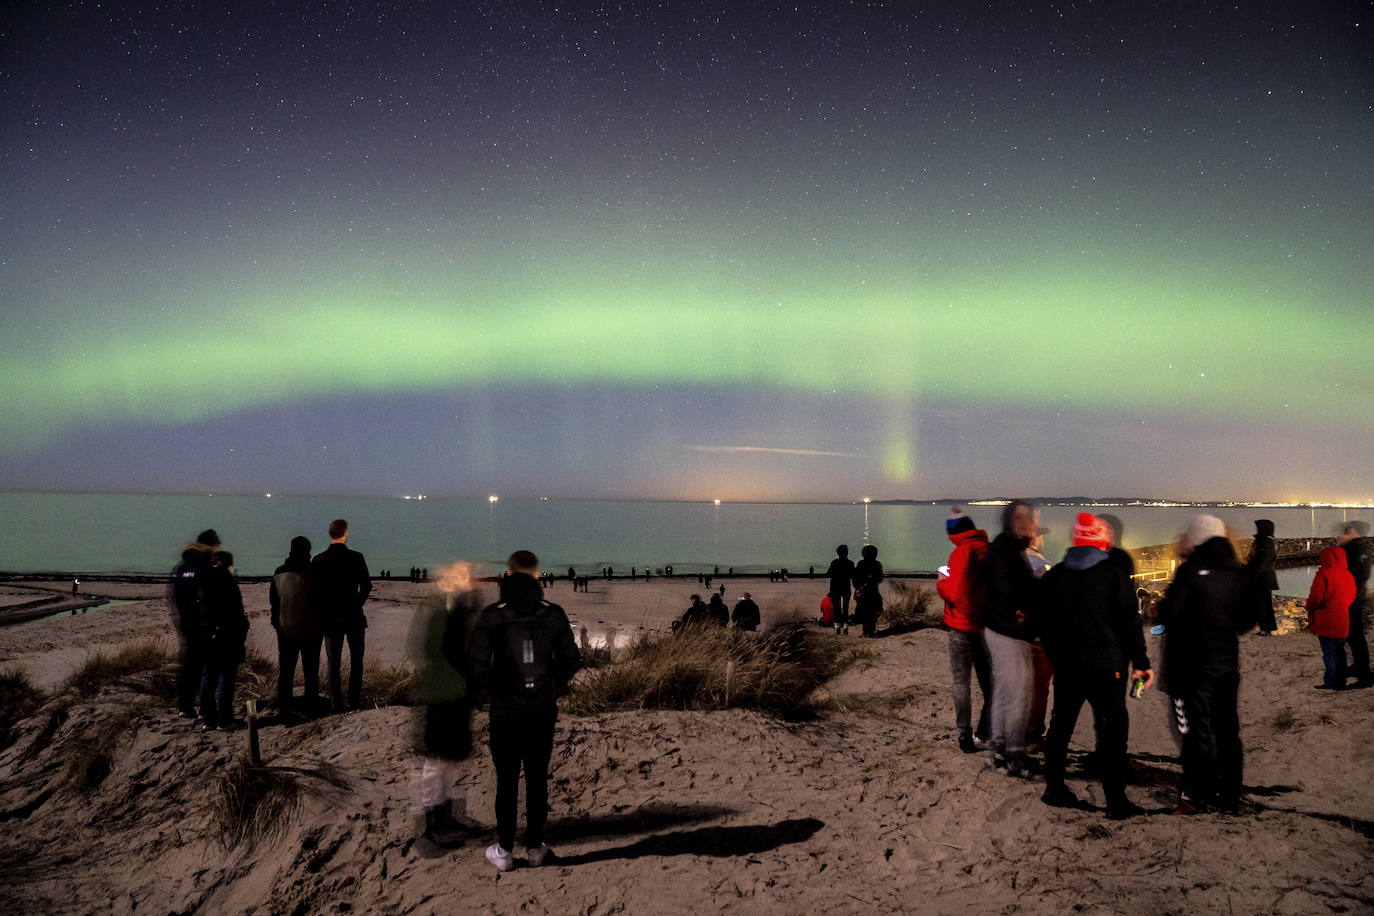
[(962, 589), (1333, 591)]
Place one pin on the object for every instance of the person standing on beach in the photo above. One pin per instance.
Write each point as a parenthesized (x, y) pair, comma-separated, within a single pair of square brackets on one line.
[(299, 632), (183, 597), (1012, 596), (1359, 556), (1328, 614), (1260, 566), (1207, 605), (524, 655), (440, 637), (1091, 630), (746, 615), (1042, 669), (339, 585), (841, 575), (223, 636), (960, 585), (868, 598)]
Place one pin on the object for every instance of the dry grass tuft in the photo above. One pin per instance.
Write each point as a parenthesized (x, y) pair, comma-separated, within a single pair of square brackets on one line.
[(911, 607), (1285, 720), (252, 804), (592, 656), (19, 699), (257, 679), (143, 662), (88, 756), (706, 667), (388, 685)]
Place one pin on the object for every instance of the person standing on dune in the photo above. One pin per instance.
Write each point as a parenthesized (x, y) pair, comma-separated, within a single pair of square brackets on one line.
[(841, 575), (183, 597), (960, 585), (339, 585)]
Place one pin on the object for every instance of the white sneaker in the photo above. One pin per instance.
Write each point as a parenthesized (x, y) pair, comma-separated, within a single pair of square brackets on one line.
[(497, 856), (535, 856)]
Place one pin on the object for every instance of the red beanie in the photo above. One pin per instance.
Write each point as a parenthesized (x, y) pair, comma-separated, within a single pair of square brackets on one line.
[(1091, 531)]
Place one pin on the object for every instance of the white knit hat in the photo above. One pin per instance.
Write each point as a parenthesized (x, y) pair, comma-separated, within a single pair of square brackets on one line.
[(1202, 528)]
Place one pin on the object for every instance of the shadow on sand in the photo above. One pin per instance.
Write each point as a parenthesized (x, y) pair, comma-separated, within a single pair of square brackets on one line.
[(718, 842)]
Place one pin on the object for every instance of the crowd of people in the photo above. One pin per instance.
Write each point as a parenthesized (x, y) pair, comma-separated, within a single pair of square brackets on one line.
[(1018, 624)]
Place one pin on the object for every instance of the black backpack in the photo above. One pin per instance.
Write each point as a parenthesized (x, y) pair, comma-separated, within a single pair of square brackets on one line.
[(525, 656)]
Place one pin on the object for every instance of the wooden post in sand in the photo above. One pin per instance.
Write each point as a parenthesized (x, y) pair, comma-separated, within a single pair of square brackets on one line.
[(254, 752), (729, 673)]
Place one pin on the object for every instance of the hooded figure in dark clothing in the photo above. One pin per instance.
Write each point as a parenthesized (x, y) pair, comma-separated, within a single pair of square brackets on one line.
[(1359, 557), (868, 598), (183, 598), (1260, 566), (1092, 632), (299, 629), (841, 575), (1208, 604), (223, 636), (746, 615), (716, 611)]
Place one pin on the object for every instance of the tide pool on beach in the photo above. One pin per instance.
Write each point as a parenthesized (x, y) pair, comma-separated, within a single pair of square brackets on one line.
[(144, 534)]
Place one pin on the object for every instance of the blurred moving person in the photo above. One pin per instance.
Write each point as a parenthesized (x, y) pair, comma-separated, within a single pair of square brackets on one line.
[(1042, 669), (1359, 556), (960, 585), (524, 655), (183, 595), (841, 575), (440, 637), (223, 636), (339, 585), (1260, 566), (1012, 593), (1207, 606), (299, 634), (1090, 624), (1328, 614), (868, 597)]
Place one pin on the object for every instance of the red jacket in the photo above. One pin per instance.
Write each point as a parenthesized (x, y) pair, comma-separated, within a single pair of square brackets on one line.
[(1333, 591), (962, 589)]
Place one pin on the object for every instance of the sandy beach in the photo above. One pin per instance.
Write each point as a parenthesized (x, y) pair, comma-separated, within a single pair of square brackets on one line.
[(869, 808)]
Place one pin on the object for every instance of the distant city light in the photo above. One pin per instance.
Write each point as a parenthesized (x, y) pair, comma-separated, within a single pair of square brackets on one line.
[(867, 500), (268, 495), (493, 498), (717, 502)]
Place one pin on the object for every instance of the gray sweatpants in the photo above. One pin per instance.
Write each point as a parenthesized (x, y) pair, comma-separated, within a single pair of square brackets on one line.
[(967, 654), (1011, 691)]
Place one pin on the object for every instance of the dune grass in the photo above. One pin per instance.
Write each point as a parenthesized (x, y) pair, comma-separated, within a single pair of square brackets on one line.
[(388, 685), (253, 804), (145, 665), (19, 699), (911, 607), (88, 755), (706, 667)]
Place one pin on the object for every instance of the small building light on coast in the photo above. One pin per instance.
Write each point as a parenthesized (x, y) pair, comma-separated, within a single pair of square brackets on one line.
[(267, 495), (717, 502), (493, 498), (867, 500)]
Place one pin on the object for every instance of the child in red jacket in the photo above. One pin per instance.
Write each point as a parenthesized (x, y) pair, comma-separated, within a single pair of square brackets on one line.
[(1328, 614)]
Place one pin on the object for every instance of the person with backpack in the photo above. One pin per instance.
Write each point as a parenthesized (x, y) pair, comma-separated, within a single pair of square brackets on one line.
[(841, 575), (524, 656), (299, 633), (183, 598), (960, 585), (223, 637)]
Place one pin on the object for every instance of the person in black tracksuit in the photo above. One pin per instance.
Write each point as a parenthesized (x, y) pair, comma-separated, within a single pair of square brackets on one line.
[(1260, 566), (339, 585), (1208, 604), (841, 575), (183, 596), (868, 598), (223, 635), (1091, 630), (523, 655)]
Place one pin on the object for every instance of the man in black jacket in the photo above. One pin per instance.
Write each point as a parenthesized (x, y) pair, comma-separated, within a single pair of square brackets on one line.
[(841, 575), (746, 614), (298, 628), (339, 584), (1008, 619), (524, 655), (1092, 633), (1359, 557), (1260, 566), (183, 594), (223, 634), (1209, 603)]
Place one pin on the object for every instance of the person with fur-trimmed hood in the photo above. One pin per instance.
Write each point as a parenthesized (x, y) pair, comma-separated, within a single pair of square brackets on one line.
[(960, 585), (183, 599), (1206, 607)]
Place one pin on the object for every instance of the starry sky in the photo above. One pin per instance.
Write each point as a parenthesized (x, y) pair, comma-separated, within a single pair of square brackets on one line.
[(688, 250)]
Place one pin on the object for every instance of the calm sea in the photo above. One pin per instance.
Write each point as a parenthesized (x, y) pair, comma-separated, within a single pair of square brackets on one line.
[(145, 534)]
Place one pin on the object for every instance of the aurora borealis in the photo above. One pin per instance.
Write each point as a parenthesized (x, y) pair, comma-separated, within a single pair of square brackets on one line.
[(696, 250)]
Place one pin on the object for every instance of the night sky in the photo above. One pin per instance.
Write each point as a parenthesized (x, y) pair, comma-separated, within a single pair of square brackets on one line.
[(691, 250)]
